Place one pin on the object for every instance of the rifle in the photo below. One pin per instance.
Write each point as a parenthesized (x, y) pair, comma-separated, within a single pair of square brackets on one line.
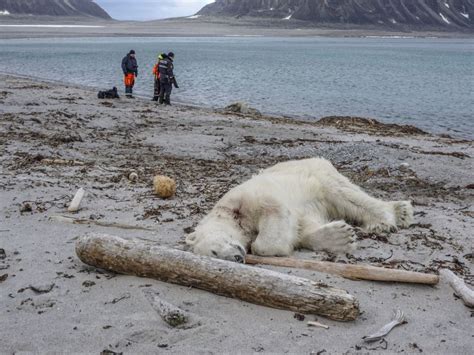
[(174, 83)]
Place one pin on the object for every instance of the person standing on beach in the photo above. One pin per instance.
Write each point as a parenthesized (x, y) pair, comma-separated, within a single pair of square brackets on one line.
[(156, 75), (167, 79), (130, 72)]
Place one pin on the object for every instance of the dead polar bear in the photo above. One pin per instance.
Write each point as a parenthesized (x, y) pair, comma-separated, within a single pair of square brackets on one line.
[(296, 204)]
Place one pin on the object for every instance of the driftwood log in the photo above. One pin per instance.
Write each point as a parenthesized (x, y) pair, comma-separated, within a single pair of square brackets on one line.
[(255, 285), (353, 272)]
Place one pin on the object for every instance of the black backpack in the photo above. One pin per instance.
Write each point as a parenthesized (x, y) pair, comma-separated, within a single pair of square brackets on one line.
[(109, 94)]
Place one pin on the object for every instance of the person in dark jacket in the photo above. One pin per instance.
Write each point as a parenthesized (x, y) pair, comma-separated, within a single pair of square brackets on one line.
[(156, 75), (167, 79), (130, 72)]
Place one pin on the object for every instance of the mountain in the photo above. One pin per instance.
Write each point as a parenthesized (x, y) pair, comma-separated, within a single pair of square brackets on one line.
[(454, 14), (74, 8)]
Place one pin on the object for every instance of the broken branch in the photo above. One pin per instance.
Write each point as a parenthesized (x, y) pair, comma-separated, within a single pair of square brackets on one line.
[(460, 288), (353, 272), (72, 220)]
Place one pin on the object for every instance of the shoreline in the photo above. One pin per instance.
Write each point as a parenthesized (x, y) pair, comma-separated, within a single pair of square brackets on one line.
[(56, 138), (271, 115)]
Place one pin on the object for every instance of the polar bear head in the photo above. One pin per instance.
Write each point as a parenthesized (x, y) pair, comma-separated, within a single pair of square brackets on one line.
[(217, 242)]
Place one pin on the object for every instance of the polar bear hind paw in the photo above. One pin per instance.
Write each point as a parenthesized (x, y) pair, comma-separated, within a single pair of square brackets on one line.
[(335, 237)]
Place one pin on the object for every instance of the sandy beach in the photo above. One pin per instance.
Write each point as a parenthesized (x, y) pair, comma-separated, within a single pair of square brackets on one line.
[(56, 138)]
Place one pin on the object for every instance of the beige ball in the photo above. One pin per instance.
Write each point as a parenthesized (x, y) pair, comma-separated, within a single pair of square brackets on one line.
[(133, 176), (165, 187)]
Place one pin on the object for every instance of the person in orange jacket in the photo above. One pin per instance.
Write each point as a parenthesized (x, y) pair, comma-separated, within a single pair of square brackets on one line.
[(130, 72)]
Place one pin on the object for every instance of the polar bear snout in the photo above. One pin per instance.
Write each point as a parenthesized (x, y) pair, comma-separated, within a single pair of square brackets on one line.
[(216, 244), (239, 259), (230, 252)]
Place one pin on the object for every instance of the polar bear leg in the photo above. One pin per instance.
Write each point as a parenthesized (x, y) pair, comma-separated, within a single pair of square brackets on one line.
[(278, 233), (349, 202), (335, 237)]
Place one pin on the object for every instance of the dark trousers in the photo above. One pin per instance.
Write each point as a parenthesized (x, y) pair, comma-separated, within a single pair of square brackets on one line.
[(156, 91), (165, 92)]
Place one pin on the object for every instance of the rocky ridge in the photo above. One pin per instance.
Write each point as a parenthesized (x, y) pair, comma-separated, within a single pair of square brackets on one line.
[(76, 8), (453, 14)]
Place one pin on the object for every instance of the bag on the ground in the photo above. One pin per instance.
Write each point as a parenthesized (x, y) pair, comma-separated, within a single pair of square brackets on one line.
[(109, 94)]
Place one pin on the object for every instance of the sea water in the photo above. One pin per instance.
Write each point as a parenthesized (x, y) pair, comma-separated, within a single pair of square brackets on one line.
[(426, 82)]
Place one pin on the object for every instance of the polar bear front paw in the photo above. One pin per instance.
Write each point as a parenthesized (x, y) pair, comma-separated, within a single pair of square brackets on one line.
[(403, 213), (336, 237), (264, 249)]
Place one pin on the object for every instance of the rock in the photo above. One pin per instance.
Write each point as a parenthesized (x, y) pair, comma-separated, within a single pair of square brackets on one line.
[(26, 207), (133, 177), (242, 107), (164, 186), (299, 316), (76, 201)]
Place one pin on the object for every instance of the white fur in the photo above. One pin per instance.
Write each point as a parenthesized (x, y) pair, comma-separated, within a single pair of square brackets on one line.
[(305, 203)]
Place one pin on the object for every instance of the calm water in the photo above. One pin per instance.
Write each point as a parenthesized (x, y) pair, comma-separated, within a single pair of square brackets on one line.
[(425, 82)]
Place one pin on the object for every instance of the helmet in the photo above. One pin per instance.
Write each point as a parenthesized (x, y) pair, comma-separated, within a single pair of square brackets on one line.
[(132, 52), (171, 54)]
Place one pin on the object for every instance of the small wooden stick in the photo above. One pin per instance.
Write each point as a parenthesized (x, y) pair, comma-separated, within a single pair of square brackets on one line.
[(460, 288), (62, 162), (317, 324), (72, 220), (348, 271)]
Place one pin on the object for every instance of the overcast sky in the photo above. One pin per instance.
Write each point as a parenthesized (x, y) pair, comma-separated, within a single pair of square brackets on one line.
[(151, 9)]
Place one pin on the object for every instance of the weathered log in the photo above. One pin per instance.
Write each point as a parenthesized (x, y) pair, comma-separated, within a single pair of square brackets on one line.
[(459, 287), (353, 272), (251, 284)]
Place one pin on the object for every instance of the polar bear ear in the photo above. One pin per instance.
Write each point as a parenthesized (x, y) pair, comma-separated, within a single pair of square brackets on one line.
[(191, 239)]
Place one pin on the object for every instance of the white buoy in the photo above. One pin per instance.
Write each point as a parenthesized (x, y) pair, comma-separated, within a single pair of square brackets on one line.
[(76, 201)]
